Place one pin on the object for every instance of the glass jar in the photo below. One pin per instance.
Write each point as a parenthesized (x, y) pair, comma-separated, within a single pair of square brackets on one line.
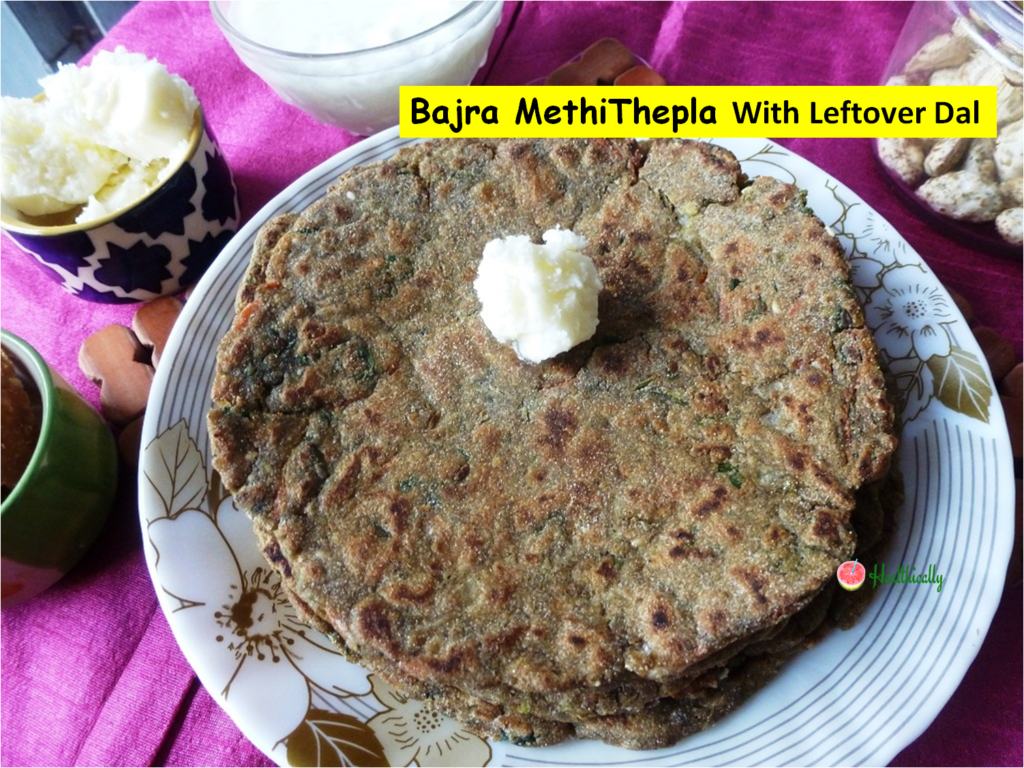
[(970, 188)]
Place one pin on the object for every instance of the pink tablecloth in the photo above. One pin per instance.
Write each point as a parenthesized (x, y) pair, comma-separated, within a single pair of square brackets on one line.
[(90, 672)]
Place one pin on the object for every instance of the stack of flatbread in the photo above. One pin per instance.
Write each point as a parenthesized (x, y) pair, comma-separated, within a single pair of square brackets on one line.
[(620, 543)]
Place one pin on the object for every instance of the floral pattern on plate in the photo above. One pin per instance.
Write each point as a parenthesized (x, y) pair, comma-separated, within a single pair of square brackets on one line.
[(913, 319), (245, 611), (909, 312)]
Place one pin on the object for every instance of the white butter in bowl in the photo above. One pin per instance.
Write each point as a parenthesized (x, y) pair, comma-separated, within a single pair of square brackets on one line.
[(99, 137), (112, 183), (540, 299)]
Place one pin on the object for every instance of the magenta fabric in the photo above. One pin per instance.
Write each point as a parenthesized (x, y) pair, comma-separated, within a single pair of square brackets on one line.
[(91, 674)]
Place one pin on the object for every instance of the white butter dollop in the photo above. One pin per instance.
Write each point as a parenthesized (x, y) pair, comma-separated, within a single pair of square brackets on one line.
[(539, 299), (102, 137)]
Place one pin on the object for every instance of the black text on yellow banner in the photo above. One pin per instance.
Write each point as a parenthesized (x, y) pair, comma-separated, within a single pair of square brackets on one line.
[(697, 111)]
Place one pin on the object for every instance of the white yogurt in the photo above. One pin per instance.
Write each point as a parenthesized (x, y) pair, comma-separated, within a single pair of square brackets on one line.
[(330, 27), (357, 89)]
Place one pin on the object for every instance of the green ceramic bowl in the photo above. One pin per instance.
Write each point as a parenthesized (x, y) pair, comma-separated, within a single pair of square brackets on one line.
[(56, 510)]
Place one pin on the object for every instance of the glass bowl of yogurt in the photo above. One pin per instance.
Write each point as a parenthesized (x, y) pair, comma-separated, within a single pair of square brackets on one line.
[(343, 63)]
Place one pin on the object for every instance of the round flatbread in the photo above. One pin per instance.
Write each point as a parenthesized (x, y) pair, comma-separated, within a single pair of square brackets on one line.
[(584, 543)]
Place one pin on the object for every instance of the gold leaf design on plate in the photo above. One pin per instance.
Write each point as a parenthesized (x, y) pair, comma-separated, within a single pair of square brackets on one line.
[(771, 150), (961, 383), (175, 470), (217, 494), (335, 739), (914, 385), (412, 732)]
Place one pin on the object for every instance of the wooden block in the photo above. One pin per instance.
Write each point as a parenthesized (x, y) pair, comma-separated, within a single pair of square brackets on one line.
[(1011, 384), (153, 322), (129, 442), (1014, 422), (570, 74), (640, 76), (998, 351), (600, 64), (607, 59), (962, 304), (110, 358), (1013, 572)]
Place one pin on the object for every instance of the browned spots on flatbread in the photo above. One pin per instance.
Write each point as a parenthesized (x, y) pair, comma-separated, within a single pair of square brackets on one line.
[(715, 619), (712, 504), (682, 552), (606, 569), (409, 593), (273, 554), (754, 582), (374, 623), (399, 510), (558, 424), (447, 665)]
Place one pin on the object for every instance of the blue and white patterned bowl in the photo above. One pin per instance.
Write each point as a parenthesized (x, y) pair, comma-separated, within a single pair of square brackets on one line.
[(158, 245)]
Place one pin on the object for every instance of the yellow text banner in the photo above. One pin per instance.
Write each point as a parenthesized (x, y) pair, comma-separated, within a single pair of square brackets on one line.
[(709, 111)]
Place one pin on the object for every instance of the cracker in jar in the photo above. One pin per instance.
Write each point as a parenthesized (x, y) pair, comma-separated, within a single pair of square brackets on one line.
[(20, 425)]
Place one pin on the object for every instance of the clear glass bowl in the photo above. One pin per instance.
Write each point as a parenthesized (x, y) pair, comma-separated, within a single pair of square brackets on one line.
[(357, 90), (971, 188)]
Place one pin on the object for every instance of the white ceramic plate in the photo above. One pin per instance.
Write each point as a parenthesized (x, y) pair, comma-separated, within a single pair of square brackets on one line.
[(858, 697)]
